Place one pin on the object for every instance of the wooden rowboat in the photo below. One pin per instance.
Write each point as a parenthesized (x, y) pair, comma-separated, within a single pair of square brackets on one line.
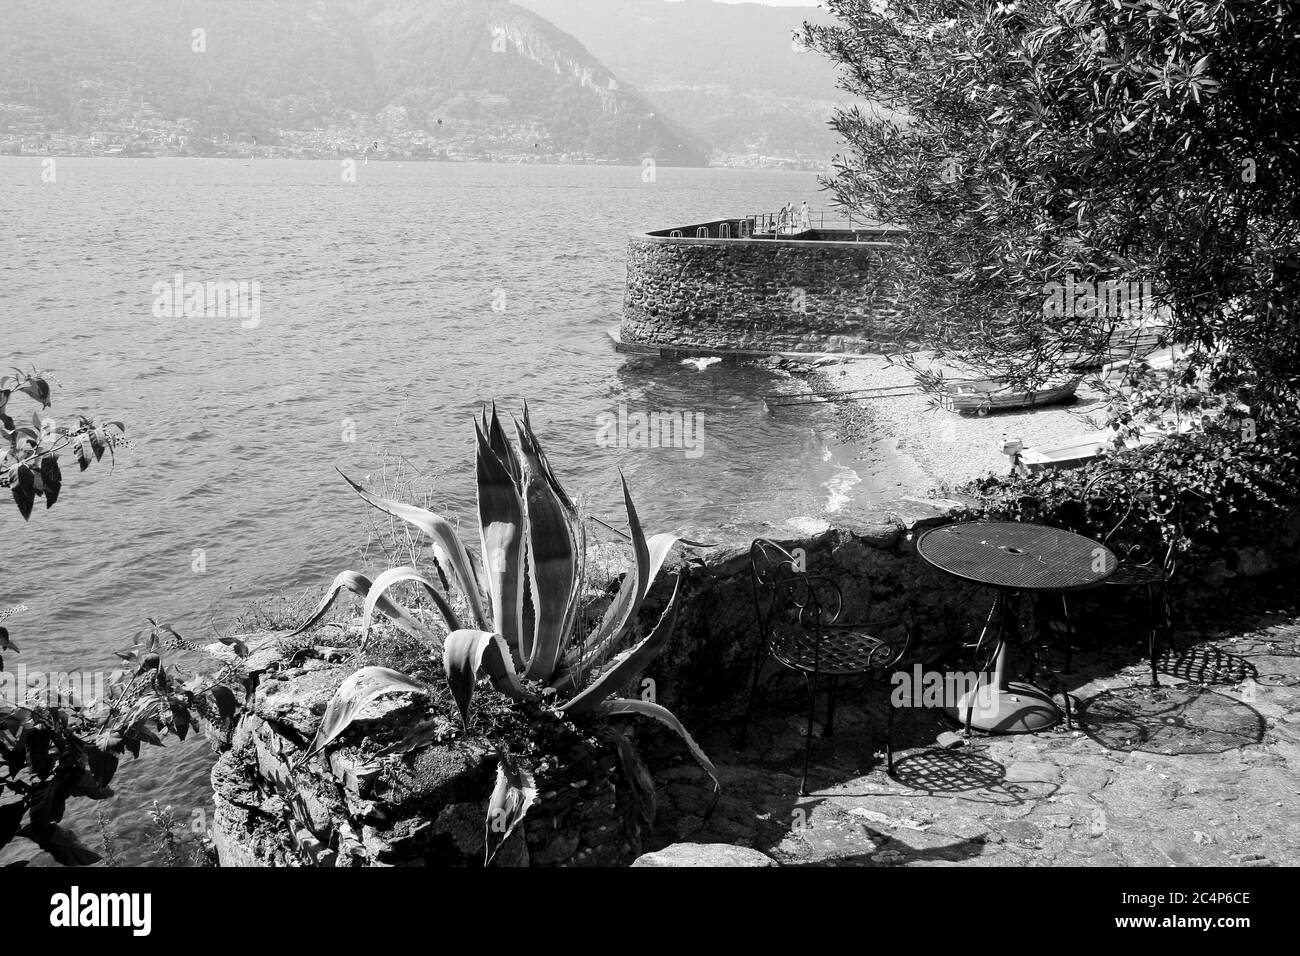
[(1069, 453), (1081, 449), (1123, 344), (982, 396)]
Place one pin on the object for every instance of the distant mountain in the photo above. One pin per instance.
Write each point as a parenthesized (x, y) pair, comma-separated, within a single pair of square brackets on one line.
[(421, 77), (729, 72)]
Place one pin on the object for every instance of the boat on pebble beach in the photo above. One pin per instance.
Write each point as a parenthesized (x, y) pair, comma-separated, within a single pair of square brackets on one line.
[(985, 395)]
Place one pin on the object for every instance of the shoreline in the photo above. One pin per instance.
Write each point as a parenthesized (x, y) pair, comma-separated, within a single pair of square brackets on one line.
[(936, 448)]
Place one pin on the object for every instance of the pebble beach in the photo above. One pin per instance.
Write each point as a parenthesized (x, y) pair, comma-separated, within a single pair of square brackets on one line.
[(940, 448)]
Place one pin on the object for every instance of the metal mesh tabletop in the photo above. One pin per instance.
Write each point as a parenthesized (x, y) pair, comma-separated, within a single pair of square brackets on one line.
[(1015, 556)]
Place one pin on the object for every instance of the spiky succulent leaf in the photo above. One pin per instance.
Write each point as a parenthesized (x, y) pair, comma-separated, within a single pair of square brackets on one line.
[(394, 576), (468, 651), (635, 582), (360, 585), (553, 562), (648, 559), (446, 541), (353, 694), (643, 708), (628, 664), (496, 437), (514, 793), (501, 530)]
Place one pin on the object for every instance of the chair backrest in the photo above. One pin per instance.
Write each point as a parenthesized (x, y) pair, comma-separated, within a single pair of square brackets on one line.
[(786, 596), (1136, 514)]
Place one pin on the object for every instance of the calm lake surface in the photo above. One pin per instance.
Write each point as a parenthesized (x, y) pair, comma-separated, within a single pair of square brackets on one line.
[(390, 308)]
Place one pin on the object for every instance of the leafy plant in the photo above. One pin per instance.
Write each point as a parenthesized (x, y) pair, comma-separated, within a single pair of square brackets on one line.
[(173, 839), (29, 460), (1035, 142), (68, 746), (1185, 490), (533, 548)]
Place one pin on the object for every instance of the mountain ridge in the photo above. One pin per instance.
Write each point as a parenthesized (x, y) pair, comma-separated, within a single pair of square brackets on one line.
[(411, 78), (730, 73)]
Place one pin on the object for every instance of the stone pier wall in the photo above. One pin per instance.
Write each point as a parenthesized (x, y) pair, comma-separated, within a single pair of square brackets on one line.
[(805, 293)]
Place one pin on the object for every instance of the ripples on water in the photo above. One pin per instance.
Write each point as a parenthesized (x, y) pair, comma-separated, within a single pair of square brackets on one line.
[(376, 306)]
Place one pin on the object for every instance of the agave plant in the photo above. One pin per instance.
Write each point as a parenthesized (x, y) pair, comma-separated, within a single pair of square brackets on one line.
[(533, 548)]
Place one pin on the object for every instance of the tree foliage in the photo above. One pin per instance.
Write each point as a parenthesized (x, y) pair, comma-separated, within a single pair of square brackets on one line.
[(1096, 139), (58, 742), (29, 453)]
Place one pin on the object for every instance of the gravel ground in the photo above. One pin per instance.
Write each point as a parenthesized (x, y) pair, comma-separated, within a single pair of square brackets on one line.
[(942, 447)]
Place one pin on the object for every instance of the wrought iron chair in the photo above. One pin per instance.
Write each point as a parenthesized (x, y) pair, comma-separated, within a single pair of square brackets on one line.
[(1140, 522), (798, 626)]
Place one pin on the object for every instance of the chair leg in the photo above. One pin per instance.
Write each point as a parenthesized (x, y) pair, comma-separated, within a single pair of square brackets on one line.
[(811, 680), (829, 729), (1152, 636), (889, 738), (998, 611), (1069, 632), (749, 707)]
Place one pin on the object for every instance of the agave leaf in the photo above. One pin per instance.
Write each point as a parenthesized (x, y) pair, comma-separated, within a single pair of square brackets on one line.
[(422, 733), (360, 585), (643, 708), (445, 540), (354, 582), (514, 793), (628, 664), (553, 562), (638, 778), (635, 583), (546, 465), (658, 549), (465, 652), (501, 527), (387, 580), (648, 557), (501, 447), (353, 694)]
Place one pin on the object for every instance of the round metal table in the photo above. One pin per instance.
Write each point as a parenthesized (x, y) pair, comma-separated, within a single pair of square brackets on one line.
[(1013, 558)]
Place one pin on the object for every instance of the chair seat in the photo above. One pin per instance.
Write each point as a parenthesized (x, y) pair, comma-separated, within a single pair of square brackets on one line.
[(843, 651), (1133, 575)]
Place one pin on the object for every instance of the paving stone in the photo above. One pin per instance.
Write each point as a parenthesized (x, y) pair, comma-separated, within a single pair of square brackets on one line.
[(704, 854), (1056, 798)]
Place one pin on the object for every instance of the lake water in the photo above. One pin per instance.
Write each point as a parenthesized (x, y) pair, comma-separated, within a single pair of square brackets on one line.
[(390, 308)]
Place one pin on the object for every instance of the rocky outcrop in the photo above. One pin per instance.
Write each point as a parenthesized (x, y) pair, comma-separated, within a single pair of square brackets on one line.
[(355, 806)]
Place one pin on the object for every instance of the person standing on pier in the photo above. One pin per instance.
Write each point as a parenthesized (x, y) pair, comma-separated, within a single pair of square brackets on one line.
[(805, 217)]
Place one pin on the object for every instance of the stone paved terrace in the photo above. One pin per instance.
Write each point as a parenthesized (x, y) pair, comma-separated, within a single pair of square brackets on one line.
[(1203, 772)]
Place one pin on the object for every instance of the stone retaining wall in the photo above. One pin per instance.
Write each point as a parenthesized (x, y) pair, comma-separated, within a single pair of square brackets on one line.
[(704, 673), (801, 294)]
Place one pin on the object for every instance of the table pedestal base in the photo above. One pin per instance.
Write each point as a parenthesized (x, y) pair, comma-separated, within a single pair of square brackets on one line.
[(1017, 708)]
